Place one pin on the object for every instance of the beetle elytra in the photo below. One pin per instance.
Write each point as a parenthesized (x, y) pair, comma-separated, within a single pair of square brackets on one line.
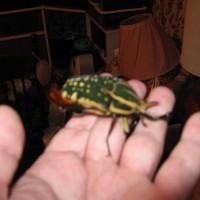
[(103, 96)]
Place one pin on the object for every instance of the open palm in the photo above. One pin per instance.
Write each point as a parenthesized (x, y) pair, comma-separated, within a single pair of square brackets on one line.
[(76, 163)]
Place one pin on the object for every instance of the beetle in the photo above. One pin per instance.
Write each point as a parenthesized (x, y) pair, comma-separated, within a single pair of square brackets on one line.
[(103, 96)]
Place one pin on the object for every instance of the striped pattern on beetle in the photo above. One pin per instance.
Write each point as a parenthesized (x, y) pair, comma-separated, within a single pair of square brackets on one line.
[(104, 96)]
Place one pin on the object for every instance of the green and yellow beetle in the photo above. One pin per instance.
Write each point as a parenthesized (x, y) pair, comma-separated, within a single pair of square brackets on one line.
[(103, 96)]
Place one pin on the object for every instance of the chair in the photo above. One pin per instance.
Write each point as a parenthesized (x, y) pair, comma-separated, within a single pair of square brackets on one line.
[(20, 89)]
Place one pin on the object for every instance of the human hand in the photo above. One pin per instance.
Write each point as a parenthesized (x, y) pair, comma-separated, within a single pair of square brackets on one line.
[(76, 164)]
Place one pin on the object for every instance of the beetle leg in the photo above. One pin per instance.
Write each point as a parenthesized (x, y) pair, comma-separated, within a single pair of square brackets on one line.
[(165, 117), (155, 118), (134, 123), (114, 119), (125, 125)]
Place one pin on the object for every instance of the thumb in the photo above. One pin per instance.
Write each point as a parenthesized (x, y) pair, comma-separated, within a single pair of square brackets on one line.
[(11, 145)]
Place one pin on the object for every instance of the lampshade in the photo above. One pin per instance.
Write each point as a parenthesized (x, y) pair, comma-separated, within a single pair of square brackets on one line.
[(145, 50), (190, 54)]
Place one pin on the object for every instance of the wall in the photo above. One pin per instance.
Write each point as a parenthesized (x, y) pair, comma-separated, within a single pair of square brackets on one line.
[(170, 15)]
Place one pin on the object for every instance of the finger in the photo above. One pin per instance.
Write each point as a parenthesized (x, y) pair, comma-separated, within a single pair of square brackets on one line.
[(143, 150), (181, 171), (11, 143), (73, 137), (139, 87)]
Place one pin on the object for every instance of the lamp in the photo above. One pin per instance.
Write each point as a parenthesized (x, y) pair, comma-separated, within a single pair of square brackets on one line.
[(190, 54), (145, 50)]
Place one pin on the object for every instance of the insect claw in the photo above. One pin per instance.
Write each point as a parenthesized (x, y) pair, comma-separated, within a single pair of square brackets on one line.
[(165, 117)]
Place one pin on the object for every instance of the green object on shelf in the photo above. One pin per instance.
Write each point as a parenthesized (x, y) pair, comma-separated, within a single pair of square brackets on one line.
[(83, 44)]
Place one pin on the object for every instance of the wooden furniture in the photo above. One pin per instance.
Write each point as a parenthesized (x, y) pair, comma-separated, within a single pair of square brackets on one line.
[(63, 24), (18, 27), (106, 40), (18, 30)]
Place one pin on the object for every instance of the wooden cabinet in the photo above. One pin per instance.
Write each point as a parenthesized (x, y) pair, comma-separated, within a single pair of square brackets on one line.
[(23, 31), (63, 24), (105, 39)]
